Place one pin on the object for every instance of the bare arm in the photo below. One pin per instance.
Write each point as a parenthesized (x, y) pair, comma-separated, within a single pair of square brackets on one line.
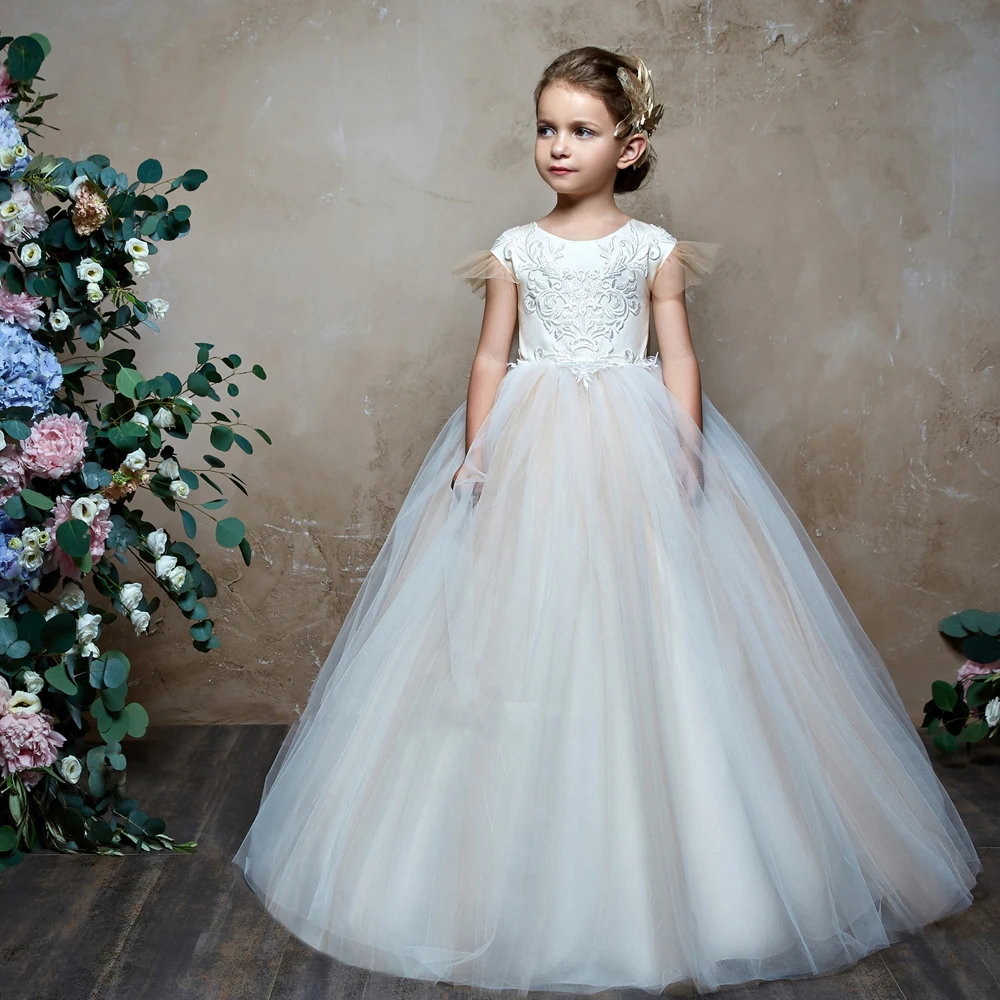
[(681, 374)]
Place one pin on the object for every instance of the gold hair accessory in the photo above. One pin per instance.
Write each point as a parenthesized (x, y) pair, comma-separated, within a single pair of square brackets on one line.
[(645, 115)]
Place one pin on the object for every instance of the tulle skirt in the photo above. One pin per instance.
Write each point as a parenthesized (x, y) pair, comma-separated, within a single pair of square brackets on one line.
[(598, 717)]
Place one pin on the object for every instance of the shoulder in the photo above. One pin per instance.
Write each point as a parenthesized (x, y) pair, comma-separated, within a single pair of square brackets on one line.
[(509, 238), (658, 240)]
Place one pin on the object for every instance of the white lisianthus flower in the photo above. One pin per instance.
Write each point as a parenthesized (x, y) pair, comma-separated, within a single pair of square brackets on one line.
[(87, 627), (84, 508), (156, 542), (135, 461), (3, 440), (7, 158), (75, 186), (179, 489), (72, 598), (4, 608), (15, 543), (130, 596), (71, 768), (164, 564), (90, 649), (9, 209), (169, 468), (30, 558), (140, 269), (33, 683), (22, 703), (177, 576), (30, 536), (94, 292), (158, 308), (58, 320), (89, 270), (20, 150), (164, 418), (993, 712), (30, 254), (136, 248), (140, 621)]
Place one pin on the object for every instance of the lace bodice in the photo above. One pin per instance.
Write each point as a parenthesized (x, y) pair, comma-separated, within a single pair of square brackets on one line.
[(585, 303)]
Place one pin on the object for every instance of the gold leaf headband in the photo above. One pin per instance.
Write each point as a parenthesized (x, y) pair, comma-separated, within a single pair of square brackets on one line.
[(645, 115)]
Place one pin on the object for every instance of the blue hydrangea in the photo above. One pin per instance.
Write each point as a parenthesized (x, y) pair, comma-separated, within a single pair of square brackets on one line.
[(30, 372), (15, 580), (10, 137)]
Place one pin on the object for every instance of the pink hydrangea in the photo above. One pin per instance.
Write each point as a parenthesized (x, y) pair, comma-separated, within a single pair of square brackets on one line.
[(970, 670), (28, 741), (7, 89), (12, 469), (23, 309), (55, 448), (100, 528)]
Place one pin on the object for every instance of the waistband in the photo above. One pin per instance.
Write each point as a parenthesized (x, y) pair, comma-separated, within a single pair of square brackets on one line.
[(586, 368)]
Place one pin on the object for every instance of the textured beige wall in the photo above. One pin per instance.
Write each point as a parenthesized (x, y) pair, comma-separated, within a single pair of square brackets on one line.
[(844, 153)]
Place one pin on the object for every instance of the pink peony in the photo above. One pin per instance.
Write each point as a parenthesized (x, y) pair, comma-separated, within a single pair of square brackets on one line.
[(27, 741), (970, 670), (100, 528), (7, 89), (12, 469), (56, 446), (25, 310), (4, 695)]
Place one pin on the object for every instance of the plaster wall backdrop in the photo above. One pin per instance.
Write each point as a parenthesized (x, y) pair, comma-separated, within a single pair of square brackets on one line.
[(843, 153)]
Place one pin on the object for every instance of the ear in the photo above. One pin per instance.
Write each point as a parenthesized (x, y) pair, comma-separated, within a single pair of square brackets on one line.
[(632, 150)]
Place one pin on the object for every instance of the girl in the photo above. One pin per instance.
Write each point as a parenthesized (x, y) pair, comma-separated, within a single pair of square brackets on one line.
[(599, 715)]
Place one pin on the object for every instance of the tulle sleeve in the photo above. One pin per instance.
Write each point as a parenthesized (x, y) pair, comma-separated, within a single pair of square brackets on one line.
[(675, 265), (475, 267)]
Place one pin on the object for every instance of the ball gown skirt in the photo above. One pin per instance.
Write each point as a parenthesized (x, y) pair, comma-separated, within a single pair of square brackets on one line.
[(601, 717)]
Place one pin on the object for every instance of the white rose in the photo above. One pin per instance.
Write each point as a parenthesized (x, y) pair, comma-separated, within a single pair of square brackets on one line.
[(90, 649), (169, 468), (71, 768), (33, 683), (58, 320), (140, 269), (164, 565), (158, 308), (30, 254), (140, 619), (52, 612), (75, 186), (156, 542), (89, 270), (72, 598), (176, 577), (993, 711), (4, 608), (94, 292), (9, 209), (140, 418), (3, 440), (7, 158), (164, 418), (130, 596), (135, 461), (84, 508), (87, 627), (179, 489), (136, 248), (22, 703)]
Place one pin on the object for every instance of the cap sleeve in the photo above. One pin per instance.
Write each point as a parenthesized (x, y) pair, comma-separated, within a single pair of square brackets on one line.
[(675, 265), (475, 267)]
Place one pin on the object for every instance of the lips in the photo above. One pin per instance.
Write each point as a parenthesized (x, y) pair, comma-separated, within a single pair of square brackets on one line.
[(560, 170)]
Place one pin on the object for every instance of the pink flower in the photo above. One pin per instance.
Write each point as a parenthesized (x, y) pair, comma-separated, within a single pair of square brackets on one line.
[(12, 469), (4, 695), (969, 670), (25, 310), (100, 528), (27, 741), (7, 89), (56, 446)]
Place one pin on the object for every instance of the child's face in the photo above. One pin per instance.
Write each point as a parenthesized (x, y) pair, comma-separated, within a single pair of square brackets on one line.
[(575, 131)]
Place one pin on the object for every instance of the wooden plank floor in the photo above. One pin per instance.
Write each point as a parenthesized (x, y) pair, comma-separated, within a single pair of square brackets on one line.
[(187, 927)]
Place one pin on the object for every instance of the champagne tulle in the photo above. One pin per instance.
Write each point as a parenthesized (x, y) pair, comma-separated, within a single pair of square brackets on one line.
[(601, 717)]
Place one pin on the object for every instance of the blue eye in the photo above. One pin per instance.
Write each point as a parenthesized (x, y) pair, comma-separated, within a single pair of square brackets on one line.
[(581, 129)]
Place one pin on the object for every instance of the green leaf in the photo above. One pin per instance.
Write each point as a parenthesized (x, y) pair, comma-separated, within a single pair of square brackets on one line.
[(981, 648), (138, 719), (190, 524), (259, 372), (73, 536), (116, 669), (952, 626), (59, 633), (945, 742), (229, 532), (8, 839), (19, 649), (945, 696), (24, 58), (975, 731), (127, 380), (58, 676), (245, 551), (149, 172), (37, 500), (243, 443), (221, 437)]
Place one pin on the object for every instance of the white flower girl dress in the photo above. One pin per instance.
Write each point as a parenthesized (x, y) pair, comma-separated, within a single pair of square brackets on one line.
[(600, 716)]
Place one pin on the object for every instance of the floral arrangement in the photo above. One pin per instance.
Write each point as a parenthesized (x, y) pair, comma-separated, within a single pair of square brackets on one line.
[(968, 711), (72, 466)]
